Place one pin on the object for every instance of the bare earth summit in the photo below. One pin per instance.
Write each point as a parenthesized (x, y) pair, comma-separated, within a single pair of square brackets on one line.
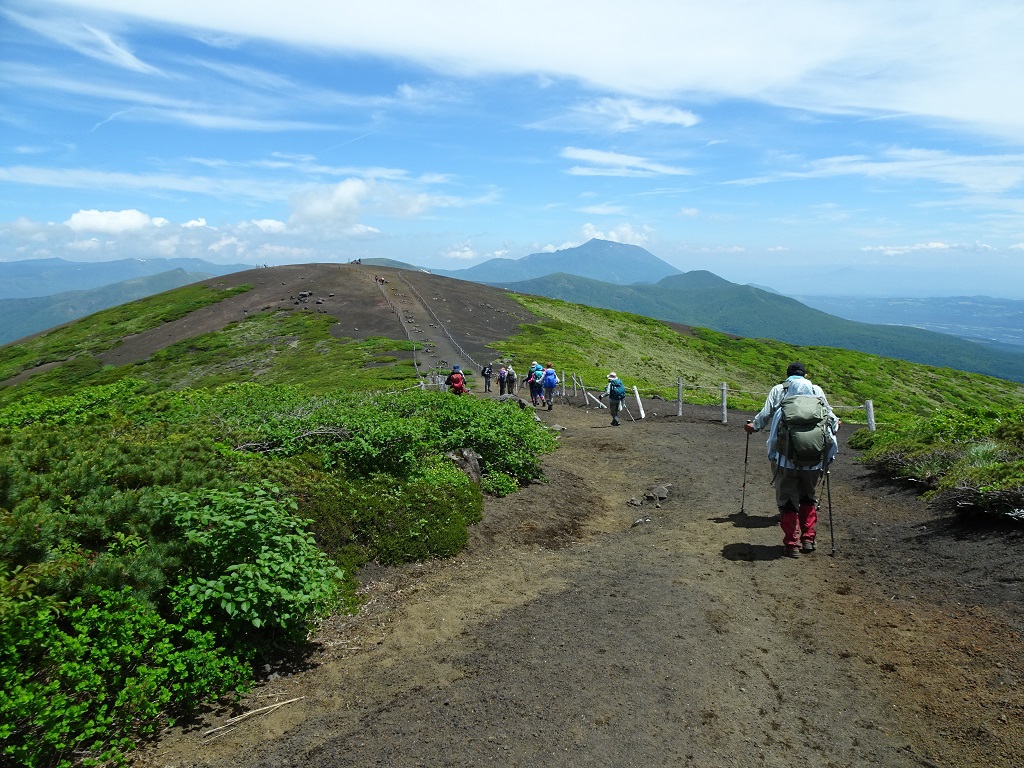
[(568, 635)]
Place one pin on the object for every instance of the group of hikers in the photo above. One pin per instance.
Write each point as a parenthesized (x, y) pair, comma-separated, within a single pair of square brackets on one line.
[(542, 381), (801, 443)]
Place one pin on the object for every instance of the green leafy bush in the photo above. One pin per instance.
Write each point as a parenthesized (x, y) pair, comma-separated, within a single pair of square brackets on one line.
[(251, 566)]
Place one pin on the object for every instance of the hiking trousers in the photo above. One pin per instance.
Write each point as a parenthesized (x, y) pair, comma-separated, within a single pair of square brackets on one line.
[(614, 406), (795, 491)]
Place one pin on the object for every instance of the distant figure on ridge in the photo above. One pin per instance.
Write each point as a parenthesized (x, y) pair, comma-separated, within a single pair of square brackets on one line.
[(801, 444)]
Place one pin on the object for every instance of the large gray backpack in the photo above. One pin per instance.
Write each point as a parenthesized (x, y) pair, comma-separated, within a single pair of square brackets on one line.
[(802, 433)]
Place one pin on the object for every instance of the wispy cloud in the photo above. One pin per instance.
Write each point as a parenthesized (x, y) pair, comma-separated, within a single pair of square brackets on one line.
[(602, 163), (82, 38), (976, 173)]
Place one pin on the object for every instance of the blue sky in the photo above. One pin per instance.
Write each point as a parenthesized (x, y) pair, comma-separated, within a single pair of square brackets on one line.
[(830, 146)]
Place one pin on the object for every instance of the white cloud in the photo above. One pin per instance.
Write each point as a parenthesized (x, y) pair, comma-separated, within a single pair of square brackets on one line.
[(462, 251), (227, 243), (84, 39), (974, 173), (623, 233), (108, 222), (270, 226), (200, 222), (602, 163), (690, 213)]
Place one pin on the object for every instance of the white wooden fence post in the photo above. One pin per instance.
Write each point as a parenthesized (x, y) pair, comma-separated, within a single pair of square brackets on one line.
[(869, 409), (563, 382), (639, 403), (725, 396), (679, 407)]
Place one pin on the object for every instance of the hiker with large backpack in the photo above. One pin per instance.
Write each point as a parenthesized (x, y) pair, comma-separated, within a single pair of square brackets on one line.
[(801, 444), (502, 375), (549, 382), (616, 394), (456, 381), (487, 372), (510, 380), (533, 379)]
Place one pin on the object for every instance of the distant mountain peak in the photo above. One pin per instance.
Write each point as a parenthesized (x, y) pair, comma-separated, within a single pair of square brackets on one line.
[(605, 260)]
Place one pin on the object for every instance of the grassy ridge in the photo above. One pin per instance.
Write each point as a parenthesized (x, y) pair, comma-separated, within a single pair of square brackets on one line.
[(652, 355), (104, 330), (706, 300)]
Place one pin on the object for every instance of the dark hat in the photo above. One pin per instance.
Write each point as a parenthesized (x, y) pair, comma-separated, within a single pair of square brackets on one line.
[(796, 369)]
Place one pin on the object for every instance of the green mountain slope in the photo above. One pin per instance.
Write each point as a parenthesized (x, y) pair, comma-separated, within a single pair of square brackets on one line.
[(22, 317), (706, 300)]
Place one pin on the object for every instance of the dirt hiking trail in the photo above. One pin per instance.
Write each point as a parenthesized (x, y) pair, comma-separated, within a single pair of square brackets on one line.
[(578, 629)]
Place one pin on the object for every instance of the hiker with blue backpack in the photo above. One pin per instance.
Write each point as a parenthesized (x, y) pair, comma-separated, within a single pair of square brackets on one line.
[(801, 444), (616, 394), (533, 379), (549, 382)]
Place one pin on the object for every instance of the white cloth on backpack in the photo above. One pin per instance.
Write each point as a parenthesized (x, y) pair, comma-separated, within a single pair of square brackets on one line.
[(798, 385)]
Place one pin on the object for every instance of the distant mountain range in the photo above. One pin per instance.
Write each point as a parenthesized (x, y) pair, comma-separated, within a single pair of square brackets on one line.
[(45, 277), (600, 273), (24, 317)]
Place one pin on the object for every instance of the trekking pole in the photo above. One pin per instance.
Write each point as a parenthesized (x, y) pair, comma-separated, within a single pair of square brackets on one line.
[(626, 409), (743, 495), (831, 530)]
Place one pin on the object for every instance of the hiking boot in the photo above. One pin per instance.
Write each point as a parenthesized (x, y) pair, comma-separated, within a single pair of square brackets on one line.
[(550, 406), (792, 551), (808, 546), (615, 423)]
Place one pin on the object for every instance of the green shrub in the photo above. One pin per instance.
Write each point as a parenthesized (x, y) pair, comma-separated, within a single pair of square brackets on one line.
[(251, 566), (81, 688), (424, 518), (499, 485)]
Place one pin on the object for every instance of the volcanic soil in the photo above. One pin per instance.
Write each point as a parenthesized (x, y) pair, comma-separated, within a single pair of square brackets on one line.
[(589, 623)]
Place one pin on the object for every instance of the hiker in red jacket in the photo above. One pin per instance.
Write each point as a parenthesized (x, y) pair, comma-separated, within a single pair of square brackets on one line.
[(456, 381)]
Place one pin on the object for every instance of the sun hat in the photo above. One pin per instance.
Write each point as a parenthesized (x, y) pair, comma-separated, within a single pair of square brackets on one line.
[(612, 375)]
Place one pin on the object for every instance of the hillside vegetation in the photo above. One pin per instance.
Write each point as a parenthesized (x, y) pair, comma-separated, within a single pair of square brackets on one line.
[(168, 524), (704, 299)]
